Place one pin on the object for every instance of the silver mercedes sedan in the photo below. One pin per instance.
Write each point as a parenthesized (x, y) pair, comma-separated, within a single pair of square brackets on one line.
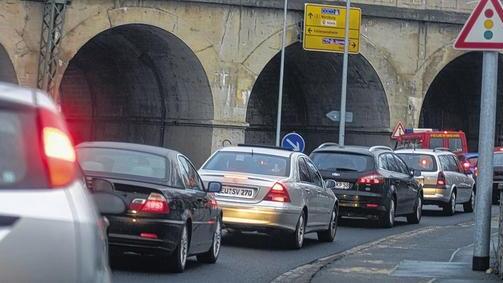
[(268, 189)]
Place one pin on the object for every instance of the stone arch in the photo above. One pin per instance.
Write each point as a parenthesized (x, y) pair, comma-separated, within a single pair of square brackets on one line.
[(312, 89), (139, 83), (452, 100), (7, 71)]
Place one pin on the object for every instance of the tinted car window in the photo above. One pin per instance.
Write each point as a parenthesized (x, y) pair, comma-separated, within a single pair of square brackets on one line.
[(392, 164), (498, 159), (304, 174), (336, 161), (448, 163), (421, 162), (190, 178), (252, 163), (436, 143), (315, 175), (401, 165), (455, 144), (21, 165), (120, 161), (383, 162)]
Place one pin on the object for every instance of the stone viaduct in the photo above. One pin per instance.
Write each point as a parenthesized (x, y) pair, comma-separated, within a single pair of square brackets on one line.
[(192, 74)]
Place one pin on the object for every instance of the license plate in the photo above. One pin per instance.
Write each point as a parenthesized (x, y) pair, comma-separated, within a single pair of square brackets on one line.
[(236, 192), (342, 185)]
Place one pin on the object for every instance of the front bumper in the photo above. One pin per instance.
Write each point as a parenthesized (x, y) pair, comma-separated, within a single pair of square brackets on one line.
[(263, 216), (124, 235)]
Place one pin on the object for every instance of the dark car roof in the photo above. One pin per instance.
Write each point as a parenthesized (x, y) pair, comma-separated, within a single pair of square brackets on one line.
[(349, 149), (131, 146)]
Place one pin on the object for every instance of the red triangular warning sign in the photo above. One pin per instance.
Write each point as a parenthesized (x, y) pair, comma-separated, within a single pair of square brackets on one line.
[(484, 28), (398, 130)]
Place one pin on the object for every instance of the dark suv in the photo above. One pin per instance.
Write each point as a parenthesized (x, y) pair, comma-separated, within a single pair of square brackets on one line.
[(370, 182)]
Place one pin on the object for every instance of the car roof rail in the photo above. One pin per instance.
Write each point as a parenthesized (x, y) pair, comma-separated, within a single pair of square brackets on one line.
[(381, 147), (441, 149), (264, 146), (328, 144)]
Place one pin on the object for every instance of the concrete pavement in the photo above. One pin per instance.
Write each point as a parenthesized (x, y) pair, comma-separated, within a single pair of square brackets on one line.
[(430, 254)]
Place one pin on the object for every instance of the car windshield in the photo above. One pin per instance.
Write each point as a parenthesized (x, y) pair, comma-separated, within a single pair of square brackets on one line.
[(252, 163), (498, 159), (421, 162), (119, 161), (336, 161)]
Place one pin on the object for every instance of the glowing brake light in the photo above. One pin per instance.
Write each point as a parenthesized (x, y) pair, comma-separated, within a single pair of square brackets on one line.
[(155, 203), (373, 179), (441, 181), (60, 155), (278, 193)]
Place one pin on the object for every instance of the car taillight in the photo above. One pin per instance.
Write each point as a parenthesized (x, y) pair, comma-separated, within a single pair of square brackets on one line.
[(466, 165), (155, 203), (373, 179), (441, 182), (278, 193), (60, 156)]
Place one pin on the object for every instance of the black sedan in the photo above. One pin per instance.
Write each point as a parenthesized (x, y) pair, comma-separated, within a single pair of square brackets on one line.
[(370, 182), (169, 211)]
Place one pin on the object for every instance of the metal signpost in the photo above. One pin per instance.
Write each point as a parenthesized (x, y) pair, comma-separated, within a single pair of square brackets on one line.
[(330, 28), (484, 31), (281, 75)]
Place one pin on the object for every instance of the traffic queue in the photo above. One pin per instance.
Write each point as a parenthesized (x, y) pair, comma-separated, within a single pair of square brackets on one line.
[(154, 201)]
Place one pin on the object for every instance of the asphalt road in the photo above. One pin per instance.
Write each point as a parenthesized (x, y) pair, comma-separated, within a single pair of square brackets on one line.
[(252, 257)]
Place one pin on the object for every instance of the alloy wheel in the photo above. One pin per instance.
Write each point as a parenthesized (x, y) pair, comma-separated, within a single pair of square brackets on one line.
[(217, 239), (184, 244)]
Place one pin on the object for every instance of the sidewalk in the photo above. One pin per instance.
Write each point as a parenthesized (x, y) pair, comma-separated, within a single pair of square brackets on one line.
[(432, 254)]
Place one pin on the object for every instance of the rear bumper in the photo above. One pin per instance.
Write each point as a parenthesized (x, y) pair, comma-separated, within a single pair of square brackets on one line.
[(124, 235), (436, 196), (366, 205), (263, 216)]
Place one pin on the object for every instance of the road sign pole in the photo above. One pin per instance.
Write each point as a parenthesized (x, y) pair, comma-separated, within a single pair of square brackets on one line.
[(483, 200), (281, 75), (342, 124)]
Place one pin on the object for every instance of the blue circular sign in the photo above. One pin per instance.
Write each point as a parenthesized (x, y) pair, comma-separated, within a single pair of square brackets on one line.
[(293, 141)]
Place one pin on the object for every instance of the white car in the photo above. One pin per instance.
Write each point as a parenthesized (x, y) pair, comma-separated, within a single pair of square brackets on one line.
[(50, 230)]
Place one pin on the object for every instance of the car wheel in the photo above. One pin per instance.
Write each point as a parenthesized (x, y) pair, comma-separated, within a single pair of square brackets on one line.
[(388, 219), (415, 217), (329, 234), (211, 256), (178, 259), (468, 207), (297, 238), (450, 207)]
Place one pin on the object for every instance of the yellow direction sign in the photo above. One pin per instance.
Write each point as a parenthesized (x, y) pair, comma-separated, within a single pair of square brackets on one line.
[(324, 28)]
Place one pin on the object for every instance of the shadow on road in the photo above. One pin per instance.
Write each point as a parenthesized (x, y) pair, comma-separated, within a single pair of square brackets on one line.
[(147, 264), (261, 241)]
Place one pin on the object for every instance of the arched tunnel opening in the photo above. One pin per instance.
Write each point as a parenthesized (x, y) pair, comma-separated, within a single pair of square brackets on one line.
[(139, 83), (312, 88), (7, 72), (453, 99)]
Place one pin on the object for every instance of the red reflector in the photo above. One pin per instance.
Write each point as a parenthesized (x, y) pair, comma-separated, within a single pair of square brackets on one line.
[(60, 156), (372, 205), (373, 179), (278, 193), (148, 235)]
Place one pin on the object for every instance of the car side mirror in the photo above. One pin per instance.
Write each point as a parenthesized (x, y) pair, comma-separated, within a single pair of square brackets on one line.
[(109, 203), (214, 187), (330, 184)]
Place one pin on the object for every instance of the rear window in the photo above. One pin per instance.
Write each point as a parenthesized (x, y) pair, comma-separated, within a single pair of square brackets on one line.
[(498, 159), (338, 161), (125, 162), (251, 163), (21, 165), (421, 162)]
